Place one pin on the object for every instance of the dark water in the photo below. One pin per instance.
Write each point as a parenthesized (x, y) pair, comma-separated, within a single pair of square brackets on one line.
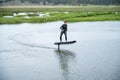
[(27, 51)]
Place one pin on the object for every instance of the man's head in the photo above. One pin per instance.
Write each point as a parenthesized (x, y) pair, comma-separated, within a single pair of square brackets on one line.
[(65, 22)]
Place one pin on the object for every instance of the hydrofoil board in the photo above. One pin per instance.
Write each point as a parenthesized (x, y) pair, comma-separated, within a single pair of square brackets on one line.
[(61, 43)]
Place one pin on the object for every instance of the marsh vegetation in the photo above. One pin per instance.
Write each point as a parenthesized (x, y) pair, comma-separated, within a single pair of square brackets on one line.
[(29, 14)]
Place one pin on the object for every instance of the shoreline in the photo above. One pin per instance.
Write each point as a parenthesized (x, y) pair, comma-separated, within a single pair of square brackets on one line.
[(62, 21), (41, 14)]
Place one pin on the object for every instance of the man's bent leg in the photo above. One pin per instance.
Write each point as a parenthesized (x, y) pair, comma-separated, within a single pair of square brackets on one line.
[(65, 36), (61, 36)]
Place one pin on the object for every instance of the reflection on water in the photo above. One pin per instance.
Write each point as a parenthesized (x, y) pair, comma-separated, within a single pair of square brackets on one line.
[(65, 57)]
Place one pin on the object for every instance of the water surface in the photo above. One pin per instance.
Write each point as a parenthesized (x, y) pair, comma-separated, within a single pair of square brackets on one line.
[(27, 51)]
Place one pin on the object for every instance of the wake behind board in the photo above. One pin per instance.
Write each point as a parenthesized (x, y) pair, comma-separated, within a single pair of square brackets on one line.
[(61, 43)]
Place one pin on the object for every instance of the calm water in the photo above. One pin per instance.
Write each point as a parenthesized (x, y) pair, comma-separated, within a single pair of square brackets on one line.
[(27, 51)]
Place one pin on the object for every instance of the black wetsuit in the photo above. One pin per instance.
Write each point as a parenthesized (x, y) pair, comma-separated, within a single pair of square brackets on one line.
[(63, 31)]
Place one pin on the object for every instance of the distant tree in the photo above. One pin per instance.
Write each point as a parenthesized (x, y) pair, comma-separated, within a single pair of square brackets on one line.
[(118, 2), (69, 2)]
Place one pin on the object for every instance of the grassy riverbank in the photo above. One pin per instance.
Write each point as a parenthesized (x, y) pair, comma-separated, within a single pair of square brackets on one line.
[(56, 13)]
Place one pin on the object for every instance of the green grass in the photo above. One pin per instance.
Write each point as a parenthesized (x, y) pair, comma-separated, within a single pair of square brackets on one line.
[(110, 17), (76, 14), (58, 8)]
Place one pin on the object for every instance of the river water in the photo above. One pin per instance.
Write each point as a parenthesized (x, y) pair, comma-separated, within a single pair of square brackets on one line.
[(27, 51)]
